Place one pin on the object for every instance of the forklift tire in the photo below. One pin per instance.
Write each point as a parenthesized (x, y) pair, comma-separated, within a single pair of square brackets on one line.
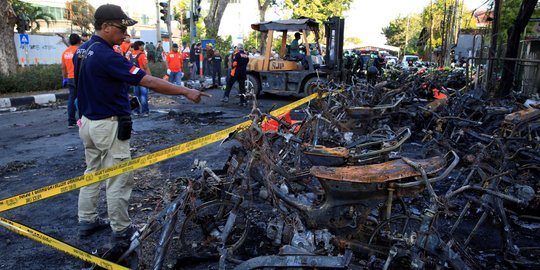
[(311, 85), (253, 86)]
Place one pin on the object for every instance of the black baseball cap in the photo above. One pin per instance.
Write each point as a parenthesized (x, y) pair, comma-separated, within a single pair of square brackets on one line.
[(175, 45), (110, 12)]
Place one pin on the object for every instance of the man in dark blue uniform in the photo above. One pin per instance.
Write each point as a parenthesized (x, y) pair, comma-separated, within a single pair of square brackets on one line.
[(102, 77), (238, 74)]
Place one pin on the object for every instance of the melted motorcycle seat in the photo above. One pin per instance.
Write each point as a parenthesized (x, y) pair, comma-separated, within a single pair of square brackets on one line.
[(378, 173)]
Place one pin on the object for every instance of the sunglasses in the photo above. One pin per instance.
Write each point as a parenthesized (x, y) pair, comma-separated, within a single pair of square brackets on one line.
[(120, 27)]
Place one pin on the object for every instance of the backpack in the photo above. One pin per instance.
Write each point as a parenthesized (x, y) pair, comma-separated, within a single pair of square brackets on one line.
[(134, 60)]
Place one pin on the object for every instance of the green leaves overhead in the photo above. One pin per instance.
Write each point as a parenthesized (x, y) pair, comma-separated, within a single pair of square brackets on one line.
[(319, 10), (35, 15), (83, 15)]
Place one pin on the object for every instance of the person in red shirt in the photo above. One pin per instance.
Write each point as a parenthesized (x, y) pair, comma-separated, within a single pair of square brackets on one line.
[(174, 61), (68, 73), (138, 58), (124, 47)]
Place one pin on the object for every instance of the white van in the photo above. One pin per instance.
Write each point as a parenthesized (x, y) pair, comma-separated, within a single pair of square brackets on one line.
[(409, 59)]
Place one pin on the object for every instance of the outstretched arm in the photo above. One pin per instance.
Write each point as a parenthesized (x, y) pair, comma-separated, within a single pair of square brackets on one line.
[(167, 88)]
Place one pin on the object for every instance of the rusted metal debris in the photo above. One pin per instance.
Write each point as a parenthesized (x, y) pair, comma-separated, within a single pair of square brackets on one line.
[(395, 176)]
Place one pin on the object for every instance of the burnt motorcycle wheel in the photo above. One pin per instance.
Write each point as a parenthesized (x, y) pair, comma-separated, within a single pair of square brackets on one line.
[(202, 230), (388, 231), (312, 85)]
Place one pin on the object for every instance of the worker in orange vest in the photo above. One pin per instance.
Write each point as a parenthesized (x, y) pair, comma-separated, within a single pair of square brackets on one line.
[(174, 61), (126, 44), (68, 73)]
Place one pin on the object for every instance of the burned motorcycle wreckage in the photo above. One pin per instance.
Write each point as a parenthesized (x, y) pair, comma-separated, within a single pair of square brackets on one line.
[(406, 174)]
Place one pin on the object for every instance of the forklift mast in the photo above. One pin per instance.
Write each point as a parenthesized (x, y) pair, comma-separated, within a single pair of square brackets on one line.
[(333, 58)]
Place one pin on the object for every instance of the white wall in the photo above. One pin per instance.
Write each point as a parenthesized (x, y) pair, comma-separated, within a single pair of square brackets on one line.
[(42, 50)]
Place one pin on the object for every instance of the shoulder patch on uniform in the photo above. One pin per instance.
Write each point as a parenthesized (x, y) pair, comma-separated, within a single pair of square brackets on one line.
[(134, 70)]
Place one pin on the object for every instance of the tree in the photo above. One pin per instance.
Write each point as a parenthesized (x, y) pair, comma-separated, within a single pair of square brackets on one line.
[(251, 40), (33, 14), (8, 53), (82, 15), (353, 41), (183, 21), (213, 18), (318, 10), (514, 33), (435, 18), (395, 32), (404, 32), (263, 5), (427, 28)]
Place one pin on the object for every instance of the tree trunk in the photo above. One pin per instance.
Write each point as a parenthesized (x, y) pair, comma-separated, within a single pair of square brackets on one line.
[(514, 34), (263, 6), (213, 19), (8, 53)]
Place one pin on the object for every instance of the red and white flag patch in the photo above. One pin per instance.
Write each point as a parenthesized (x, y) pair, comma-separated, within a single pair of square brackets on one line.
[(134, 70)]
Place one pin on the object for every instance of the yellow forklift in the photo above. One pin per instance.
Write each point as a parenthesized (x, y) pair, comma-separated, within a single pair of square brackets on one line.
[(286, 75)]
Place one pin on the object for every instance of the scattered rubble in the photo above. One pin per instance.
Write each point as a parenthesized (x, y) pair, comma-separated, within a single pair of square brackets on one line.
[(407, 174)]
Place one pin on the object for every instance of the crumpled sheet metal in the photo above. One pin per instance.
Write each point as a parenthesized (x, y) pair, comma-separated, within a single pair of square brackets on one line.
[(297, 261), (378, 173), (319, 150), (522, 116)]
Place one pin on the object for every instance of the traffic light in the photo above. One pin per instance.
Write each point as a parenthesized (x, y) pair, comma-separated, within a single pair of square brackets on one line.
[(197, 10), (165, 11)]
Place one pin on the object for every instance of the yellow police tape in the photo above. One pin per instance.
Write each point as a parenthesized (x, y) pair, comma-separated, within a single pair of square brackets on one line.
[(137, 163), (103, 174), (49, 241)]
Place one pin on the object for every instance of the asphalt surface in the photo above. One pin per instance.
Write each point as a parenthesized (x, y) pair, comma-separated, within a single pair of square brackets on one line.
[(38, 150)]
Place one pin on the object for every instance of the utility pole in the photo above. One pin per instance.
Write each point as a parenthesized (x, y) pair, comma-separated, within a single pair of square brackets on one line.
[(169, 30), (181, 19), (444, 30), (449, 40), (493, 46), (158, 26), (430, 30), (406, 36), (192, 28)]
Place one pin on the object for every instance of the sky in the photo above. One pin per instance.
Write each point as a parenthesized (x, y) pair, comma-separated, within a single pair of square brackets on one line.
[(365, 19)]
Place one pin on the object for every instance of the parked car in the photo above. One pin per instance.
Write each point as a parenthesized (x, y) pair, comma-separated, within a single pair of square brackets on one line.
[(391, 60), (409, 60)]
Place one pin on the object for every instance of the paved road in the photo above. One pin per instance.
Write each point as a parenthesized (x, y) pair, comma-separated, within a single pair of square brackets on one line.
[(38, 150)]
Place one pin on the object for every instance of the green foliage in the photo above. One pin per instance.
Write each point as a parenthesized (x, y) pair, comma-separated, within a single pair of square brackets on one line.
[(32, 78), (509, 12), (252, 40), (83, 15), (434, 17), (404, 29), (34, 14), (353, 41), (179, 12), (223, 45), (319, 10)]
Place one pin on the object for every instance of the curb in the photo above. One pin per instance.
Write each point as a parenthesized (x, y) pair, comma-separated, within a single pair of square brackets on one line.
[(28, 100)]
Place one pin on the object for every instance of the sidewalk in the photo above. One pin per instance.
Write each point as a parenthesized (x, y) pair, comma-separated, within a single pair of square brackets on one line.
[(8, 102)]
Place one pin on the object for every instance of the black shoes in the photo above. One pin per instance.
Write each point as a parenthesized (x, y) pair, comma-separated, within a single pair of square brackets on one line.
[(87, 229), (124, 236)]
